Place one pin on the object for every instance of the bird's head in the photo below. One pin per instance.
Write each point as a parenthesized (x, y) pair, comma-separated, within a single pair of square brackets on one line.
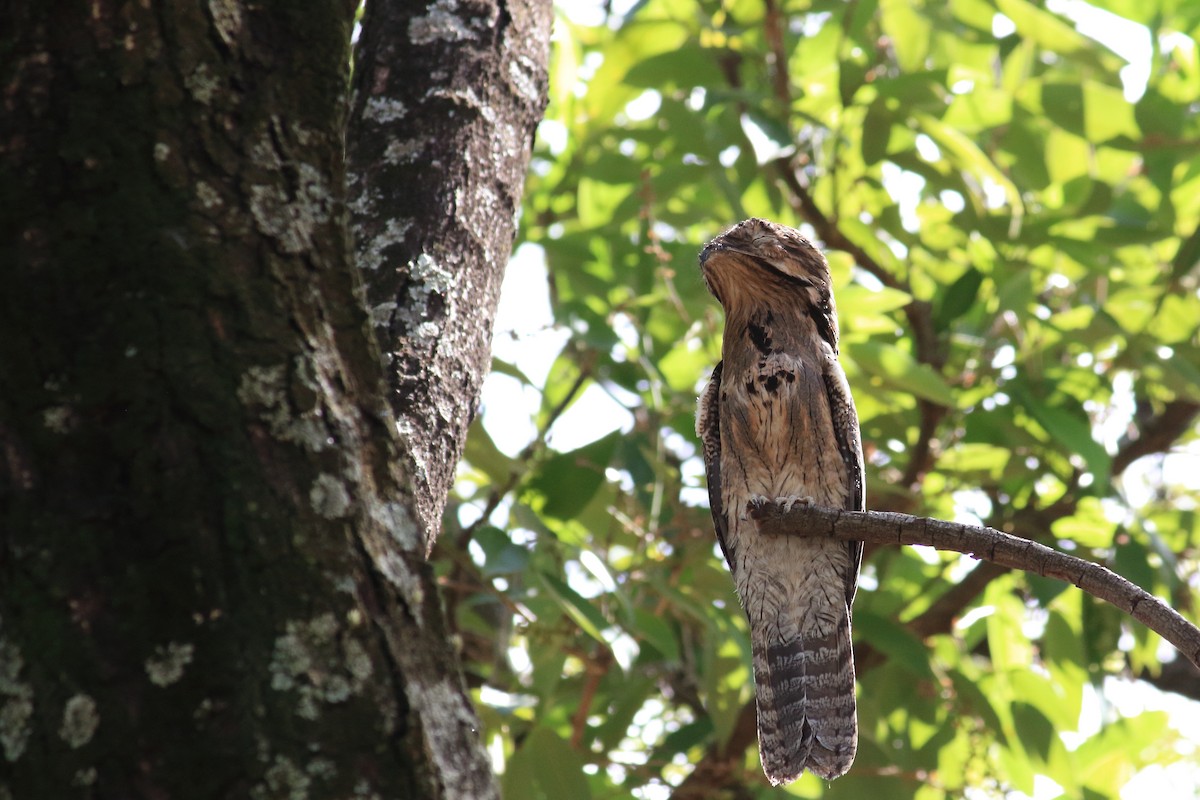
[(759, 260)]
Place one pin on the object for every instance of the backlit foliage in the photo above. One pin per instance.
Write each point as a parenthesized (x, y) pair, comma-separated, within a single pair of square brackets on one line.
[(1010, 210)]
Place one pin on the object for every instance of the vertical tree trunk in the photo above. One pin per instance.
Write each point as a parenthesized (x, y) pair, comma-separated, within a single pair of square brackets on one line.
[(447, 97), (211, 560)]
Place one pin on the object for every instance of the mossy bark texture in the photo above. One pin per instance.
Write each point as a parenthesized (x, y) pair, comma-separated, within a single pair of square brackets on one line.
[(212, 580)]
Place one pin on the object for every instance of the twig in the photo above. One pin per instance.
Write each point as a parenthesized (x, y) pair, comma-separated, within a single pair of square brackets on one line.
[(1156, 434), (883, 527), (597, 668), (773, 32)]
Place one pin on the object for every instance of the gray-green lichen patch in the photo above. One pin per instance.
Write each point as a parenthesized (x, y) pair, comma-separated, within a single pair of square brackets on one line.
[(59, 419), (444, 713), (17, 698), (523, 75), (382, 313), (266, 389), (291, 221), (79, 722), (207, 195), (363, 791), (322, 768), (84, 777), (370, 256), (426, 278), (329, 497), (399, 524), (167, 664), (440, 24), (227, 18), (204, 710), (408, 432), (202, 84), (401, 151), (283, 779), (384, 110), (320, 663)]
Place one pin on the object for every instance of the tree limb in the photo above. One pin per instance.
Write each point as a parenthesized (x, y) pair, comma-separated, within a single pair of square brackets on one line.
[(1156, 434), (1176, 676), (883, 527)]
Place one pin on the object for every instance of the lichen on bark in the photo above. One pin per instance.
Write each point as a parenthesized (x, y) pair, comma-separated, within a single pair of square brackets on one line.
[(437, 159)]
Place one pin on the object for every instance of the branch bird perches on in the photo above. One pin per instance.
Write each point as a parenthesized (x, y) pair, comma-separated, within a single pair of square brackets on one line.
[(885, 527)]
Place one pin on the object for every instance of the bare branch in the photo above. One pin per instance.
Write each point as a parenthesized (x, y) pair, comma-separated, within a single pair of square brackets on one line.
[(1176, 676), (1156, 434), (882, 527)]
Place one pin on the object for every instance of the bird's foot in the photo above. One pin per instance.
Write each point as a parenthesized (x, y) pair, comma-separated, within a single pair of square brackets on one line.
[(758, 503), (793, 500)]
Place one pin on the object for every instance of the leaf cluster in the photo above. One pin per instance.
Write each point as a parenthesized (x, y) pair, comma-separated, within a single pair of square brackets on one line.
[(1010, 212)]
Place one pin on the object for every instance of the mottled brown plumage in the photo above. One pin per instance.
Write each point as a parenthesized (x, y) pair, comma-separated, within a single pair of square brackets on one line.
[(777, 423)]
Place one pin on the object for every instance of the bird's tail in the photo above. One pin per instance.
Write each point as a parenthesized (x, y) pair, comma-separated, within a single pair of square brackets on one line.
[(806, 710)]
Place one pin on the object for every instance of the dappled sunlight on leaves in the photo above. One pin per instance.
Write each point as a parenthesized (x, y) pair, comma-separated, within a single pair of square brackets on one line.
[(1010, 212)]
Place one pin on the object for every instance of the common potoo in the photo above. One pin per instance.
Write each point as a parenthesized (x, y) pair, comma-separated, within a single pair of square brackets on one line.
[(778, 424)]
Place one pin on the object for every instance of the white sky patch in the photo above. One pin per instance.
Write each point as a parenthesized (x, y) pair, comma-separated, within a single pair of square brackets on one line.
[(554, 135), (994, 195), (644, 106), (765, 148), (952, 200), (1128, 39), (971, 507), (526, 335), (904, 188), (507, 413), (927, 554), (928, 149), (594, 415)]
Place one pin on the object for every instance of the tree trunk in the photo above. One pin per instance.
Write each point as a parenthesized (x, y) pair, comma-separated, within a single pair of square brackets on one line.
[(437, 163), (211, 557)]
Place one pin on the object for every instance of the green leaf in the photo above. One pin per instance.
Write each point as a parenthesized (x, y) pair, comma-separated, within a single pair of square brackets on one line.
[(893, 639), (1035, 731), (1106, 113), (958, 299), (1069, 426), (900, 370), (577, 607), (1087, 527), (970, 457), (567, 482), (971, 158), (690, 65), (501, 556), (877, 130), (546, 767), (657, 633), (1042, 27), (909, 31)]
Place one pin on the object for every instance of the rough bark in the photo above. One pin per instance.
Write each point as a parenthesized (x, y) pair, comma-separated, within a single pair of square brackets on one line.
[(212, 580), (447, 95)]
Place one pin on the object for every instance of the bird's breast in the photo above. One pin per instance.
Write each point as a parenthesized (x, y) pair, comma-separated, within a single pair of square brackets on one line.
[(775, 416)]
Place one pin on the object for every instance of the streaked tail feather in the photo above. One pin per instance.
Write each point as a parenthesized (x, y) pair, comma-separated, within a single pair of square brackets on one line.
[(806, 709)]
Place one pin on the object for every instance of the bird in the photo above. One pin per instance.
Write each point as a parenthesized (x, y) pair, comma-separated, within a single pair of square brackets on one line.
[(777, 424)]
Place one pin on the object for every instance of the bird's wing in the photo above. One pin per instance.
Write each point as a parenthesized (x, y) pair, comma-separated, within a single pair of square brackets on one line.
[(849, 442), (708, 428)]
